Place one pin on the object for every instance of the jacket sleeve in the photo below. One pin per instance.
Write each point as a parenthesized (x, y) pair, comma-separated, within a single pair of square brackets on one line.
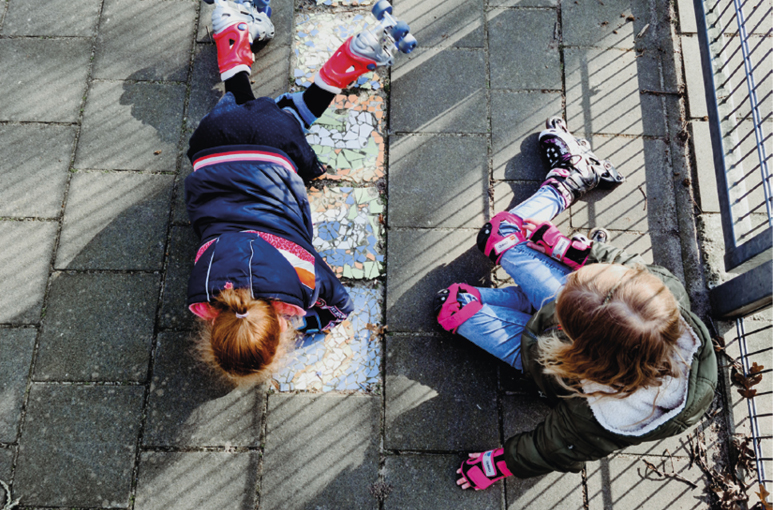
[(607, 254), (332, 296), (560, 443)]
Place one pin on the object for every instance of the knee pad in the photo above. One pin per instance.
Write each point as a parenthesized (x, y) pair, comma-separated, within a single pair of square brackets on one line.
[(451, 313), (492, 243)]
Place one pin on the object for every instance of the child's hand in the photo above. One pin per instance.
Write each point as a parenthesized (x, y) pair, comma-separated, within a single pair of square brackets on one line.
[(529, 226), (462, 482)]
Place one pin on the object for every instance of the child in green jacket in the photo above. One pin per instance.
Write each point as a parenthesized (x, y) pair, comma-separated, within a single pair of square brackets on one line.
[(613, 343)]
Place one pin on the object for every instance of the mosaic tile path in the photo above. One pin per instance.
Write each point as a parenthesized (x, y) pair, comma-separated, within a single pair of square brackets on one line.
[(352, 3), (349, 138), (317, 36), (347, 230), (346, 359)]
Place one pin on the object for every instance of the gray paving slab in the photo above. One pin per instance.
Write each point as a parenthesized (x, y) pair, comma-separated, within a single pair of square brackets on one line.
[(693, 72), (628, 483), (686, 12), (78, 446), (32, 182), (440, 395), (523, 50), (179, 211), (189, 406), (55, 18), (457, 23), (26, 257), (440, 91), (560, 491), (115, 221), (201, 480), (437, 181), (180, 256), (421, 262), (607, 24), (602, 95), (17, 346), (429, 481), (24, 96), (131, 126), (523, 3), (644, 202), (98, 327), (145, 40), (6, 468), (321, 451), (757, 19), (516, 121), (707, 195)]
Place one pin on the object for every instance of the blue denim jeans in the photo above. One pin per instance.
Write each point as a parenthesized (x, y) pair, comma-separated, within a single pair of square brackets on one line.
[(497, 327)]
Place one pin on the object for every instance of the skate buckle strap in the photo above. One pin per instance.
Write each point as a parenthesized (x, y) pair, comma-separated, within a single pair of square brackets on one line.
[(486, 469), (495, 244), (453, 314), (344, 67), (572, 252)]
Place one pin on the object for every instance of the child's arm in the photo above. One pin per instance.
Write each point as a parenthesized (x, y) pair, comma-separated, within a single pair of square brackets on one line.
[(333, 305)]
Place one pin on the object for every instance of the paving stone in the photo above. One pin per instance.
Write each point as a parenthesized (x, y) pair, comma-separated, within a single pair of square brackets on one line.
[(144, 40), (602, 95), (78, 446), (441, 91), (321, 451), (57, 18), (115, 221), (179, 211), (645, 165), (131, 126), (523, 52), (523, 3), (457, 23), (551, 491), (708, 197), (420, 263), (98, 327), (693, 72), (32, 181), (24, 264), (6, 468), (181, 254), (424, 404), (15, 359), (201, 480), (757, 18), (57, 98), (687, 23), (439, 181), (607, 24), (516, 121), (189, 406), (627, 483), (429, 481)]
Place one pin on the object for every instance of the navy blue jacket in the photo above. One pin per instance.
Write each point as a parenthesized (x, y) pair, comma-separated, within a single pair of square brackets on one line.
[(249, 206)]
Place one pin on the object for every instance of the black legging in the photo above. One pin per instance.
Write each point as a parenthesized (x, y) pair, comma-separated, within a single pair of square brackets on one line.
[(316, 99)]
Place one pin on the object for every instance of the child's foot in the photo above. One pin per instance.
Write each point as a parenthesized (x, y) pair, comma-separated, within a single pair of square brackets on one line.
[(236, 27), (574, 169)]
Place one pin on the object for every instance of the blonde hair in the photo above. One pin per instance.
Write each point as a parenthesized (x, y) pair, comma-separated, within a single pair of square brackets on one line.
[(245, 349), (622, 324)]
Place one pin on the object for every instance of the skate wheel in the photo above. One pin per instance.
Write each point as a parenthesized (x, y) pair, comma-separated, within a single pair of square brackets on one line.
[(407, 43), (381, 8), (400, 30)]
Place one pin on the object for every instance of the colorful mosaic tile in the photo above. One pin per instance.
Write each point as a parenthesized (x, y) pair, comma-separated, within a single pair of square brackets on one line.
[(347, 230), (352, 3), (318, 36), (348, 138), (348, 358)]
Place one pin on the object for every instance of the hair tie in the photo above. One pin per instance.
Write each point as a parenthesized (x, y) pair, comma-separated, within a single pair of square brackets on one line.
[(242, 315)]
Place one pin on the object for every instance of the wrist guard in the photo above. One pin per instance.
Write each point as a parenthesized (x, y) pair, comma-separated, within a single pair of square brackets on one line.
[(572, 252)]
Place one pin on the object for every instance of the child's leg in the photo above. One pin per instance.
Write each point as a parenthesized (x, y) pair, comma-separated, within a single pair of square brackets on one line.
[(492, 319), (239, 86)]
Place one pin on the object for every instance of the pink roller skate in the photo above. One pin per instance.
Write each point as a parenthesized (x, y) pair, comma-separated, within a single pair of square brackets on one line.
[(366, 50), (236, 26)]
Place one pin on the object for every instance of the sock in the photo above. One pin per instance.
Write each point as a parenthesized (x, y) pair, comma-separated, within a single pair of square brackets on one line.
[(239, 86)]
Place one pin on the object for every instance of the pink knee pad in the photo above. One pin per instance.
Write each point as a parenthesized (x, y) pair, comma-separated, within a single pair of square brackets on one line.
[(452, 313), (492, 244)]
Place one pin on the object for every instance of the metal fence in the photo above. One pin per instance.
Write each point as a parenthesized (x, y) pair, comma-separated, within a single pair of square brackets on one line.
[(736, 41)]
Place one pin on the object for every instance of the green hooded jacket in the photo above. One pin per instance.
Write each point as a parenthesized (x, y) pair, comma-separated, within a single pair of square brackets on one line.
[(571, 435)]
